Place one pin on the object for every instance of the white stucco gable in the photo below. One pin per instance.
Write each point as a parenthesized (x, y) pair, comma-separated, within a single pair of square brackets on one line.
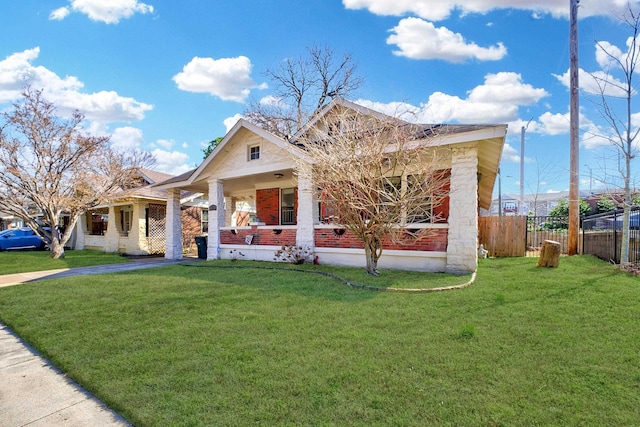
[(246, 149)]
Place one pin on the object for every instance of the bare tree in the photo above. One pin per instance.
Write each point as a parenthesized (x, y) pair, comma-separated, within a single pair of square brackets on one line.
[(619, 118), (303, 86), (50, 167), (378, 177)]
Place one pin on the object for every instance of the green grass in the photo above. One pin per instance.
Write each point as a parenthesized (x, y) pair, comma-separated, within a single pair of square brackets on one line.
[(12, 262), (189, 346)]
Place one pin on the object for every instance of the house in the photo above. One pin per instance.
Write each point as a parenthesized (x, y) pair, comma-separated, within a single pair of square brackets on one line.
[(252, 166), (8, 221), (134, 220)]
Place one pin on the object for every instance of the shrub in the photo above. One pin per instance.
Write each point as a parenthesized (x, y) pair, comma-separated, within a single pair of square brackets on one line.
[(294, 254)]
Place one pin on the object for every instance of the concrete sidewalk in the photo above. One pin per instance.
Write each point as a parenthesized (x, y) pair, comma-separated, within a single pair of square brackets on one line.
[(136, 264), (33, 392)]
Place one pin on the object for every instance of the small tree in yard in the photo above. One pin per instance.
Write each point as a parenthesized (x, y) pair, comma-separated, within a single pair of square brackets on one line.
[(50, 166), (620, 118), (376, 175)]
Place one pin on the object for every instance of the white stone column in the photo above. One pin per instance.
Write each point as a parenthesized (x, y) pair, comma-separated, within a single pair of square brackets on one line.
[(112, 236), (173, 225), (462, 247), (305, 235), (137, 242), (216, 217), (81, 230)]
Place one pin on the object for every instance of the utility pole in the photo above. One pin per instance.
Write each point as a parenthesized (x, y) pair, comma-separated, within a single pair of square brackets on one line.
[(499, 193), (574, 192), (523, 129)]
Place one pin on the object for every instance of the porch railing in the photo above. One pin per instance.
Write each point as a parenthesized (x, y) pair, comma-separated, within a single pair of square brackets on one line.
[(287, 216)]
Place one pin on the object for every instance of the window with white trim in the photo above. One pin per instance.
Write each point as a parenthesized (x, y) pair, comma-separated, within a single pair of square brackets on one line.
[(253, 152)]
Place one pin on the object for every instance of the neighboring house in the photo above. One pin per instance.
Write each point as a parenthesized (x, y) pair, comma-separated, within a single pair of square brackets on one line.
[(8, 221), (252, 166), (134, 221)]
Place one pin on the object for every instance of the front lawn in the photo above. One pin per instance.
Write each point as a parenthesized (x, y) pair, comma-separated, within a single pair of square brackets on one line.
[(186, 345), (12, 262)]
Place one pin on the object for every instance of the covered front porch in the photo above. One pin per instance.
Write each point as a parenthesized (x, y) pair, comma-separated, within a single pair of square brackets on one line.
[(254, 214)]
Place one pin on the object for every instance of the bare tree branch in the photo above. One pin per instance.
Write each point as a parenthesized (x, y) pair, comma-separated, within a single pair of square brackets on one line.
[(302, 86), (619, 119)]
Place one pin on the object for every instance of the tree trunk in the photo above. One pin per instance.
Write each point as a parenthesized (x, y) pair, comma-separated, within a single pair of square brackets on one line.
[(550, 254), (56, 249), (372, 254)]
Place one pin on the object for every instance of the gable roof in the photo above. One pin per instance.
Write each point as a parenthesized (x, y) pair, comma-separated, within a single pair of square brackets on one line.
[(198, 173), (149, 190), (489, 137), (337, 103)]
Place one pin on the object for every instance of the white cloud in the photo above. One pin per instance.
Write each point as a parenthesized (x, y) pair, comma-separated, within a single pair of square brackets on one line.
[(401, 110), (509, 154), (171, 162), (594, 138), (496, 101), (109, 12), (127, 138), (554, 124), (59, 14), (506, 88), (594, 83), (419, 39), (17, 71), (606, 53), (559, 124), (436, 10), (227, 78), (230, 122), (165, 143)]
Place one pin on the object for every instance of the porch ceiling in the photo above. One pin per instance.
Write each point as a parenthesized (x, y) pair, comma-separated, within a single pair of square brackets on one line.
[(239, 184), (489, 153)]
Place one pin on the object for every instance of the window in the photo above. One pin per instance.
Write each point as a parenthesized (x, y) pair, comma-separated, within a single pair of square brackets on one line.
[(287, 206), (254, 152), (204, 220), (126, 216), (99, 224), (422, 212)]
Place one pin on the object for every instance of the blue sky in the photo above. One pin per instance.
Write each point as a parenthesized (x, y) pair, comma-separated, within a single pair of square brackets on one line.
[(168, 76)]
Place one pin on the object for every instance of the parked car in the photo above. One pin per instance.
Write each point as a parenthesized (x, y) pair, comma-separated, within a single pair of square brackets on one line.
[(20, 238)]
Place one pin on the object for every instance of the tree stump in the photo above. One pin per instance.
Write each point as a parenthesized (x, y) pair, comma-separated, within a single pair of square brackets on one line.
[(550, 254)]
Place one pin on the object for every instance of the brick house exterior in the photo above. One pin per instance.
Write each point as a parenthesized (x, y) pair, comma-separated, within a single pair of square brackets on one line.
[(254, 167)]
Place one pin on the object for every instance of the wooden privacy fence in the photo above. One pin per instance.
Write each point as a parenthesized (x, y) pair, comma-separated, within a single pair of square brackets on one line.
[(503, 236)]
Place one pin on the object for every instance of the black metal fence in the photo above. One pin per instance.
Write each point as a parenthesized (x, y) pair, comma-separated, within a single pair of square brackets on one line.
[(541, 228), (602, 235)]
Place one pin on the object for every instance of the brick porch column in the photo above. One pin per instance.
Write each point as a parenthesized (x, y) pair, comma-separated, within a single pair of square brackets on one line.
[(462, 248), (216, 217), (173, 225)]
